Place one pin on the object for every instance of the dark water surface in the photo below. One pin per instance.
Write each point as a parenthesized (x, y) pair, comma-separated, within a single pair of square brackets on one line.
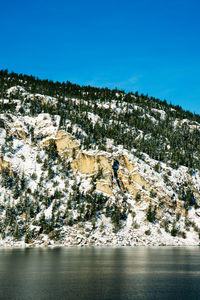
[(100, 273)]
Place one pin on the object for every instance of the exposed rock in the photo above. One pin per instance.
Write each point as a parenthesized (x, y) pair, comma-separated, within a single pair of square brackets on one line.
[(65, 142), (91, 164), (104, 187), (4, 164)]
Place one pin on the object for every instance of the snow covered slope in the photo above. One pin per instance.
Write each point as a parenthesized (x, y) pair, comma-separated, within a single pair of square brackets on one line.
[(66, 180)]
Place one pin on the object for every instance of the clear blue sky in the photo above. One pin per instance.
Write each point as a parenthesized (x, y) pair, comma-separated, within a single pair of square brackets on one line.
[(152, 46)]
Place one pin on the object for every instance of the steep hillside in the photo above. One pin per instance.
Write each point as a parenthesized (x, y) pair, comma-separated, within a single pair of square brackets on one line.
[(89, 166)]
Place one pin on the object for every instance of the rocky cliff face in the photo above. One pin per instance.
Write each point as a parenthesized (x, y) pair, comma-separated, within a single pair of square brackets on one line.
[(55, 190)]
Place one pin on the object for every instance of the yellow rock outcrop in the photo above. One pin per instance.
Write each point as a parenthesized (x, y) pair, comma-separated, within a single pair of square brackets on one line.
[(128, 176), (92, 164), (104, 187), (126, 163), (84, 164), (4, 164), (101, 166), (65, 142)]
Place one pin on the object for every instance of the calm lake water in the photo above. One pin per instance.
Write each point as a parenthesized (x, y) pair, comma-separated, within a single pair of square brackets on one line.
[(100, 273)]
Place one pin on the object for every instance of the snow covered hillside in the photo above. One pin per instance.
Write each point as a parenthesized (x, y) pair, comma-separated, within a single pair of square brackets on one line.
[(88, 166)]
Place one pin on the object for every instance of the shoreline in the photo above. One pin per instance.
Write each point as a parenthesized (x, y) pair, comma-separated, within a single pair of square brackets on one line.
[(67, 246)]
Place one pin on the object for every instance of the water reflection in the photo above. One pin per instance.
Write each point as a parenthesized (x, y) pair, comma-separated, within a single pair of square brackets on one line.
[(100, 273)]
